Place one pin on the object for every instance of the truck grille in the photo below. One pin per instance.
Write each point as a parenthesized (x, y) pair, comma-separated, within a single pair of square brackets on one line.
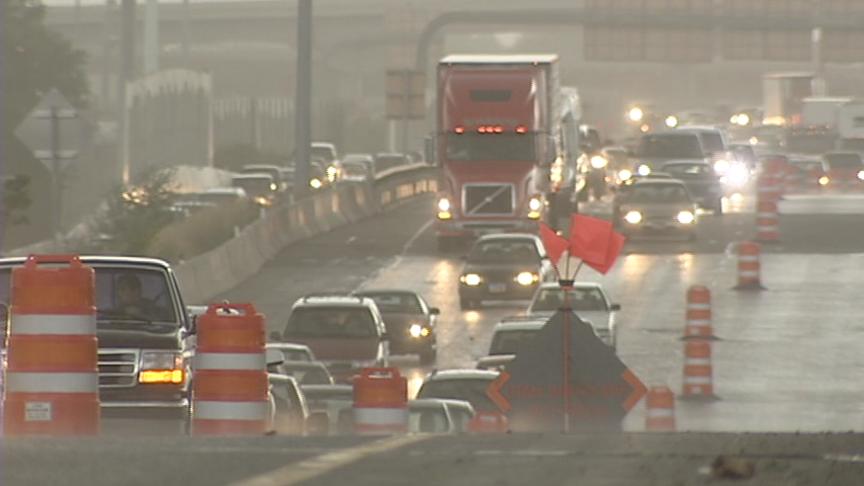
[(118, 368), (488, 199)]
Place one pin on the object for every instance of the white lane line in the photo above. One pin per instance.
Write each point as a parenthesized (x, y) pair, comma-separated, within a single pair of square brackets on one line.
[(523, 453), (416, 236), (298, 472)]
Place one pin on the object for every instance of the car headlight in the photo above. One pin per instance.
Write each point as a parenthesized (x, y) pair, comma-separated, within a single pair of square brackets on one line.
[(598, 162), (861, 175), (686, 217), (633, 217), (721, 166), (416, 330), (635, 114), (624, 175), (471, 279), (527, 278), (332, 173), (162, 367), (671, 121), (556, 173), (315, 183), (824, 180), (643, 170), (737, 175), (273, 186)]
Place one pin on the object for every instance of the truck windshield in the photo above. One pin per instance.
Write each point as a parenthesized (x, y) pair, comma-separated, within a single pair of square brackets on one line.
[(503, 147), (123, 294), (844, 161), (671, 146)]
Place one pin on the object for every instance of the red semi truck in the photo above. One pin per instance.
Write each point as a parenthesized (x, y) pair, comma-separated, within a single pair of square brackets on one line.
[(506, 144)]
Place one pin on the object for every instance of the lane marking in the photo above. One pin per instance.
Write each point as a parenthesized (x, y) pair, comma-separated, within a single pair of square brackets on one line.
[(417, 236), (298, 472)]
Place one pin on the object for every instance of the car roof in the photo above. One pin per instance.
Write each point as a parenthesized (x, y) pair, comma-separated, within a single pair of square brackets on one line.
[(439, 402), (580, 285), (225, 190), (333, 301), (462, 374), (304, 364), (384, 291), (699, 128), (103, 260), (659, 182), (252, 176), (295, 346), (533, 325), (337, 388), (508, 236), (261, 166)]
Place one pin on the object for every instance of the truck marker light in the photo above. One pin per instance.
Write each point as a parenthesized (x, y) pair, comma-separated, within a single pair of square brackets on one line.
[(521, 129), (459, 130)]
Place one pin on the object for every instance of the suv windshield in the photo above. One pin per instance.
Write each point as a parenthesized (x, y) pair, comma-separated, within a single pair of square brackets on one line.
[(504, 251), (671, 146), (658, 193), (131, 294), (688, 170), (502, 147), (507, 342), (328, 322), (396, 302), (472, 390), (581, 299), (844, 161)]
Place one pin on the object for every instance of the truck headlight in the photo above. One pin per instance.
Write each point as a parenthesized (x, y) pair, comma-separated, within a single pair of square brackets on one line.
[(643, 170), (444, 209), (824, 180), (721, 166), (527, 278), (535, 204), (598, 162), (686, 217), (162, 367), (861, 175), (633, 217), (471, 279)]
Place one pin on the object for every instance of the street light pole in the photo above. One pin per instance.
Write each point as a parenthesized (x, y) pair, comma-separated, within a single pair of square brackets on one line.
[(303, 99)]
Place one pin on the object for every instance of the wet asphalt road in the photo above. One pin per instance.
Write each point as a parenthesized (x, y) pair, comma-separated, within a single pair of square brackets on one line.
[(789, 360)]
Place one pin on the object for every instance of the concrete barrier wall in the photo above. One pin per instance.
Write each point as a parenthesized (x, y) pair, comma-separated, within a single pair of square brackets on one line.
[(219, 270)]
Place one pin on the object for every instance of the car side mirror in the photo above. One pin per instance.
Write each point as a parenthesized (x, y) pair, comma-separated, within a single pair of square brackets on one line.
[(615, 307), (274, 357), (434, 311), (275, 336)]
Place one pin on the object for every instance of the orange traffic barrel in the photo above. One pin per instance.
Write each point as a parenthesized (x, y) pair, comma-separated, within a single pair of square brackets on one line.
[(767, 221), (698, 314), (749, 267), (52, 374), (230, 386), (660, 409), (698, 373), (380, 402), (489, 423)]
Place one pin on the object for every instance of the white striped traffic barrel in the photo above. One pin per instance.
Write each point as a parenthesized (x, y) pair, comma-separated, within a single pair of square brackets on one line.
[(230, 387), (380, 402), (52, 375)]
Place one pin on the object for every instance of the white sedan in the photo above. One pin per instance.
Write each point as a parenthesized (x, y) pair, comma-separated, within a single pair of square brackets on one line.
[(587, 299)]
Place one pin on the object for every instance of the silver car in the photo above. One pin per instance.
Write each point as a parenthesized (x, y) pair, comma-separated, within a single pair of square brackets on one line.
[(587, 299)]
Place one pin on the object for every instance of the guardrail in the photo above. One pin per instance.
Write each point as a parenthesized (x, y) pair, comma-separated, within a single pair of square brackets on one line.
[(223, 268)]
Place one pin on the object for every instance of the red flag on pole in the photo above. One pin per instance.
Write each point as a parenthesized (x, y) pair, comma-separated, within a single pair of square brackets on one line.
[(595, 242), (555, 244)]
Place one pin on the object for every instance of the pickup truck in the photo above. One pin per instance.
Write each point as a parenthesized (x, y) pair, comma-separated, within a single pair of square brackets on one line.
[(155, 334)]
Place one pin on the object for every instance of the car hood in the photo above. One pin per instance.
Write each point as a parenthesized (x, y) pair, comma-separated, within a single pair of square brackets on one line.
[(398, 321), (656, 209), (513, 268), (139, 336)]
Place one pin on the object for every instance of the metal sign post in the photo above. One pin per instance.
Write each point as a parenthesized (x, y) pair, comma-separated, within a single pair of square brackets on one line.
[(52, 131)]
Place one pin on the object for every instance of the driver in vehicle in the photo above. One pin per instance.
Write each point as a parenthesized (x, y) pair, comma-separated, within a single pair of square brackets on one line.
[(130, 301)]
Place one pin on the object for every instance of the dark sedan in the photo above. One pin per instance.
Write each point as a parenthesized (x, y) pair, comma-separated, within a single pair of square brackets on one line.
[(654, 207), (410, 322), (702, 183), (503, 266)]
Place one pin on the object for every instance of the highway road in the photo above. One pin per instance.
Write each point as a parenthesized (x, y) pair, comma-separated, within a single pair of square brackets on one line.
[(789, 360)]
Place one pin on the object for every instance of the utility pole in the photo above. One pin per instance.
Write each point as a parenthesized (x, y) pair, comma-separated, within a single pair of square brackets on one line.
[(127, 74), (303, 99)]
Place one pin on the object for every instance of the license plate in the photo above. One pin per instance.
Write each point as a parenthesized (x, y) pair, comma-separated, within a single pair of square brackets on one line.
[(497, 288)]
